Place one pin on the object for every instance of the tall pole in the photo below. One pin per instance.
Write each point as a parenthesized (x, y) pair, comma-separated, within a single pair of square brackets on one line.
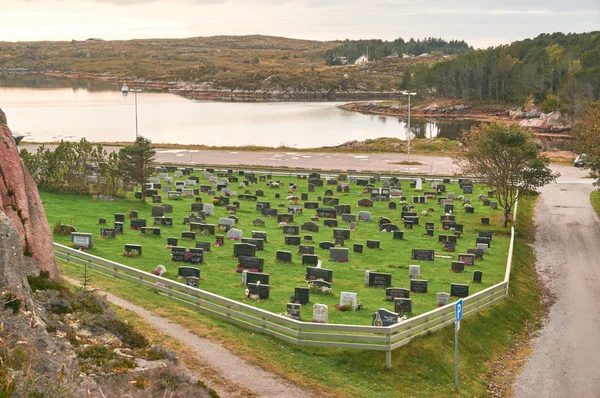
[(136, 118), (456, 327), (408, 132)]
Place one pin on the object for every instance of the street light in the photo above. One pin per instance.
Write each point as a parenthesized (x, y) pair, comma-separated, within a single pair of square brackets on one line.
[(408, 131), (125, 91)]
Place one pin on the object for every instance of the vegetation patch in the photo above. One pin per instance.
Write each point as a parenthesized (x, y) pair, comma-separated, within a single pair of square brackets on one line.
[(595, 199)]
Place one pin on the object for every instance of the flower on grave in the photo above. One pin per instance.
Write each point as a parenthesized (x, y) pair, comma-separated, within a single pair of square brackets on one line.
[(247, 292), (297, 301), (312, 277), (340, 260), (389, 298), (156, 272), (187, 256), (425, 213), (282, 224), (254, 297)]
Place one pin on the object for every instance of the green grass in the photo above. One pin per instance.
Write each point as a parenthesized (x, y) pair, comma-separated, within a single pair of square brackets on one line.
[(218, 271), (423, 368), (595, 198)]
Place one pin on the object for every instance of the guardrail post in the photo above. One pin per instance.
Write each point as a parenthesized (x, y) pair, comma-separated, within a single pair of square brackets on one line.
[(388, 353)]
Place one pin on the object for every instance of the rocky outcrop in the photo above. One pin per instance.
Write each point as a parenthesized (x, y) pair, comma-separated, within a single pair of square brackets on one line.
[(547, 122), (20, 201)]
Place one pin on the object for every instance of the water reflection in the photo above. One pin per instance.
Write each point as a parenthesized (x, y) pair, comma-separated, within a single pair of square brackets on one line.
[(51, 109)]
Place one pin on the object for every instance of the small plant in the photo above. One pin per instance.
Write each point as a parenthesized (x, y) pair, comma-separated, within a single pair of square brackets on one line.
[(344, 307), (131, 253), (314, 289), (12, 301)]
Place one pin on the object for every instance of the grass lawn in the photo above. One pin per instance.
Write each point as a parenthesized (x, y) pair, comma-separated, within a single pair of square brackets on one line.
[(423, 368), (218, 271), (595, 198)]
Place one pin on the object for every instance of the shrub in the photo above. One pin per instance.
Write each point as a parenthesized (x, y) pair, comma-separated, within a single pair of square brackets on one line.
[(98, 358)]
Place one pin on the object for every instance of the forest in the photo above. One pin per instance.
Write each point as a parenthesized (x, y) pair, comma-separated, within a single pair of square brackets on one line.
[(378, 49), (557, 71)]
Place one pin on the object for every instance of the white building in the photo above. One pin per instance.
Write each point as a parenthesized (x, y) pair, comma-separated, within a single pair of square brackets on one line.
[(363, 59)]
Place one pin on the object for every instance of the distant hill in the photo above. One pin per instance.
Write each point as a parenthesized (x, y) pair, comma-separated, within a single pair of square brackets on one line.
[(264, 63)]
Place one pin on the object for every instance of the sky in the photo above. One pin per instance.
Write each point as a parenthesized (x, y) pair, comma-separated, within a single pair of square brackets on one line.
[(482, 23)]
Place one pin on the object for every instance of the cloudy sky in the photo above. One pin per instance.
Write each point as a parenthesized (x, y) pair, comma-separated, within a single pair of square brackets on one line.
[(481, 23)]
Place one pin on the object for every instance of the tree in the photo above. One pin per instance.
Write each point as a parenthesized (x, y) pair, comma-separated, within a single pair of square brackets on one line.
[(506, 159), (587, 133), (137, 162)]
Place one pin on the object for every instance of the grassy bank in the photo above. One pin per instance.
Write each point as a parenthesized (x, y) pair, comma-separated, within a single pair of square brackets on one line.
[(595, 198), (218, 270)]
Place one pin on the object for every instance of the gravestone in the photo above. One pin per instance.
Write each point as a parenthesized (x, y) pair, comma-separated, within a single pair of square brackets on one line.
[(383, 317), (118, 227), (244, 249), (119, 217), (130, 248), (392, 293), (423, 254), (293, 311), (291, 230), (467, 259), (263, 291), (477, 275), (184, 272), (108, 232), (339, 255), (414, 271), (418, 286), (478, 253), (253, 264), (373, 244), (315, 274), (442, 299), (330, 223), (349, 298), (459, 290), (283, 256), (403, 306), (209, 209), (310, 259), (302, 295), (292, 240), (82, 240), (458, 266), (398, 234), (234, 234), (364, 216), (253, 277), (358, 248), (320, 313), (378, 279)]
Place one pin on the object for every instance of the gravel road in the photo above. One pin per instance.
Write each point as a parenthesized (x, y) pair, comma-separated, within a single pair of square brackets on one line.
[(238, 377), (566, 357)]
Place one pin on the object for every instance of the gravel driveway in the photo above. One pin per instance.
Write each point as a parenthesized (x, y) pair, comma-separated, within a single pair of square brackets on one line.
[(566, 357)]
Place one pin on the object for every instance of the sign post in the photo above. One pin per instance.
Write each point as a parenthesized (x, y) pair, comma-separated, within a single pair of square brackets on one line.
[(459, 315)]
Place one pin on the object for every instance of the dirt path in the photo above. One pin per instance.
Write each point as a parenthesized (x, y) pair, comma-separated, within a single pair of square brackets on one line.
[(566, 357), (241, 379)]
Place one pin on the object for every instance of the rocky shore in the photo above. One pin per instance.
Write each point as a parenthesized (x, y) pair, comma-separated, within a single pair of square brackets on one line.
[(538, 121)]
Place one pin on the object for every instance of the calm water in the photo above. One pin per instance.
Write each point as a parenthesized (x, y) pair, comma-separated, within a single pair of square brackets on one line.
[(50, 109)]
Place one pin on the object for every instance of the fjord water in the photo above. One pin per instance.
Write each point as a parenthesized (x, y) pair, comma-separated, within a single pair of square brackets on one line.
[(51, 109)]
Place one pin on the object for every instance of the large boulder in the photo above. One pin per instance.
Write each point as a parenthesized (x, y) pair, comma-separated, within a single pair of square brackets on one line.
[(20, 201)]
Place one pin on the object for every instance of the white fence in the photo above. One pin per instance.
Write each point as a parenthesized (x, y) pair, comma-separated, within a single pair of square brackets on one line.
[(296, 332)]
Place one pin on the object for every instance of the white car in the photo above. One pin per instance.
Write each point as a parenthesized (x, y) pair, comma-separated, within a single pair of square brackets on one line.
[(580, 160)]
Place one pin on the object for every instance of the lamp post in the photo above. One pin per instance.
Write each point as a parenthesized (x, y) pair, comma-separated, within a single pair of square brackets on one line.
[(409, 94), (125, 91)]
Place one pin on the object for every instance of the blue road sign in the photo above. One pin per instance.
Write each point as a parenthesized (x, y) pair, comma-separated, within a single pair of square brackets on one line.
[(459, 310)]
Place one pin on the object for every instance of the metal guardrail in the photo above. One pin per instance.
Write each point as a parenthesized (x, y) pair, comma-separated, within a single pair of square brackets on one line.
[(297, 332)]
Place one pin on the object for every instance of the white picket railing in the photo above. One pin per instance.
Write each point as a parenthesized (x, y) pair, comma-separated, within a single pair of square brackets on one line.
[(297, 332)]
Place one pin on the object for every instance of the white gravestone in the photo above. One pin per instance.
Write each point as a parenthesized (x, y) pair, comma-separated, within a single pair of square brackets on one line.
[(209, 209), (414, 271), (234, 234), (348, 298), (419, 186), (320, 313)]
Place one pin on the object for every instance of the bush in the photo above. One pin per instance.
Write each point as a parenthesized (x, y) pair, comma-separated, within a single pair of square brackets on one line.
[(43, 282), (98, 358)]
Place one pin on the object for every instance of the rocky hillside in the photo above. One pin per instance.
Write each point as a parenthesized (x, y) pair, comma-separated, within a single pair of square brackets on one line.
[(61, 342)]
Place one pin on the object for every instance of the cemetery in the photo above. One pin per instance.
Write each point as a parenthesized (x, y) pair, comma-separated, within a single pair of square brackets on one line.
[(270, 240)]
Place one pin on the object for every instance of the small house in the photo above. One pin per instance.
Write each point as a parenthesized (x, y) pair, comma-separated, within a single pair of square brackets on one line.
[(363, 59)]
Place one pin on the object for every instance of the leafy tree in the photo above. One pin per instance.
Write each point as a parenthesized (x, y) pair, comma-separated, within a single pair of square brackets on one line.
[(506, 159), (587, 132), (137, 162)]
